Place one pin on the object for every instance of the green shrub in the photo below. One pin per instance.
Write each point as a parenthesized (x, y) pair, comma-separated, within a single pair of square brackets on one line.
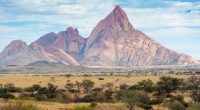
[(119, 95), (194, 106), (87, 85), (146, 85), (40, 97), (131, 98), (168, 84), (175, 105), (195, 95), (3, 90), (7, 96), (178, 98), (108, 95), (144, 98)]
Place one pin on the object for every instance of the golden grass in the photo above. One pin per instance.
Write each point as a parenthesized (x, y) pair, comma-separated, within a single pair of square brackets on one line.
[(61, 106), (60, 81)]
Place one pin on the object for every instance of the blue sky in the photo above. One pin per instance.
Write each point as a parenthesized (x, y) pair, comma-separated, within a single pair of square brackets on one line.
[(173, 23)]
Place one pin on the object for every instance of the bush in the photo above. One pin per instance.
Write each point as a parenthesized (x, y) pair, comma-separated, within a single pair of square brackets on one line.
[(144, 98), (7, 96), (146, 85), (123, 86), (193, 82), (88, 98), (63, 98), (133, 87), (177, 98), (20, 105), (108, 95), (157, 100), (174, 105), (131, 98), (87, 85), (194, 106), (168, 84), (3, 90), (83, 108), (195, 95), (11, 88), (40, 97), (119, 95), (100, 78)]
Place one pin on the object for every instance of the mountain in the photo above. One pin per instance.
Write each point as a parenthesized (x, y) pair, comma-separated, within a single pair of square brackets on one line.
[(113, 42), (18, 53)]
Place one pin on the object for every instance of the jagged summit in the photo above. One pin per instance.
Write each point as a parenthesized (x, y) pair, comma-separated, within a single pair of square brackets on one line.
[(14, 47), (72, 32)]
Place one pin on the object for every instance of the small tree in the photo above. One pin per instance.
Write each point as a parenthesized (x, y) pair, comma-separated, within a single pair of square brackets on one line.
[(87, 85), (146, 85), (78, 85), (36, 87), (168, 84), (69, 86), (123, 86), (193, 82), (33, 88), (51, 90), (108, 95), (131, 98)]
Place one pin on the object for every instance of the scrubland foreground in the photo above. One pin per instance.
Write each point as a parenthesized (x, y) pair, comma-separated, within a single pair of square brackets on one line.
[(111, 92)]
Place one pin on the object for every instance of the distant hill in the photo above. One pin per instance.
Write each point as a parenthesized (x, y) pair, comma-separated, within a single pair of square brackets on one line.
[(45, 64)]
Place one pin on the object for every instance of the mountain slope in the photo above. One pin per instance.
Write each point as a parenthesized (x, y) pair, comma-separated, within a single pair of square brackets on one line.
[(114, 42), (18, 53)]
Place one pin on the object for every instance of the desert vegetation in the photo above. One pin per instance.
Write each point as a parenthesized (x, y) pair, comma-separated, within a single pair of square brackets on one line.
[(167, 92)]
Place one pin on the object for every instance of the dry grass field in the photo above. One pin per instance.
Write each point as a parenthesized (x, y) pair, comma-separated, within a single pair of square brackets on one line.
[(21, 80), (59, 106), (26, 80)]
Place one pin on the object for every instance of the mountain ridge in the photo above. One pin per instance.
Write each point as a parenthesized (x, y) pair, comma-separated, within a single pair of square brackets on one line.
[(113, 42)]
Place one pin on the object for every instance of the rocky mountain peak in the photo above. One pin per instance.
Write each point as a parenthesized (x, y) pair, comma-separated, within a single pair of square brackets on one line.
[(14, 47), (118, 19), (17, 43), (45, 40), (71, 32)]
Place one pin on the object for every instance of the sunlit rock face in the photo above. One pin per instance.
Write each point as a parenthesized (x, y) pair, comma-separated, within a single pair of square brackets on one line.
[(114, 42), (71, 42)]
